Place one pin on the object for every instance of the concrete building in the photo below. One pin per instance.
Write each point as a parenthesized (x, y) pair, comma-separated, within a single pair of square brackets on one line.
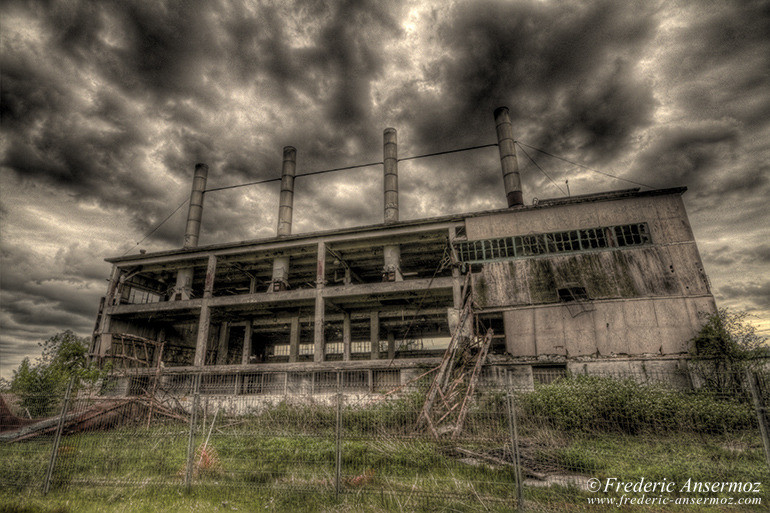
[(601, 282)]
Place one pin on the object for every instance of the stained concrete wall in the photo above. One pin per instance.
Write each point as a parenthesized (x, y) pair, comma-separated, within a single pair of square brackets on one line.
[(654, 326), (644, 271)]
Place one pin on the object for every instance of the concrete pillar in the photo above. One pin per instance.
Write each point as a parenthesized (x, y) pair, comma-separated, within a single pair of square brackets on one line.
[(204, 320), (392, 260), (346, 336), (457, 295), (318, 326), (246, 344), (201, 345), (280, 280), (294, 339), (224, 336), (508, 160), (391, 345), (286, 204), (195, 212), (374, 334), (103, 341)]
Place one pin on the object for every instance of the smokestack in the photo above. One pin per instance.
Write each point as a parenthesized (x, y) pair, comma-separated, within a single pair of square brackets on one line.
[(390, 161), (391, 254), (510, 165), (184, 277), (286, 204), (280, 280), (195, 213)]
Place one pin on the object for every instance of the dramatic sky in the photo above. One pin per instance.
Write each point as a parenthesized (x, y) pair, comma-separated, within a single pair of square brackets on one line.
[(107, 106)]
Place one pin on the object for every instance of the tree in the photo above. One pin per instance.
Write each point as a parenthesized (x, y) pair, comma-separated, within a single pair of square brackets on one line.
[(41, 386), (726, 346)]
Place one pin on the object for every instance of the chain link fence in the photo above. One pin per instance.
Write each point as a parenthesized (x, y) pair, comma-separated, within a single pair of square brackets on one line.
[(557, 442)]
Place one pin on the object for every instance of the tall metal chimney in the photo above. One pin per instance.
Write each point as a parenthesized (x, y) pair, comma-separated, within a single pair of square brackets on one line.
[(508, 160), (195, 213), (184, 277), (391, 254), (280, 280), (286, 204), (390, 161)]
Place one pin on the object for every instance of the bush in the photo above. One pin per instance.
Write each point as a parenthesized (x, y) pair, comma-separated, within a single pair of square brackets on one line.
[(592, 403)]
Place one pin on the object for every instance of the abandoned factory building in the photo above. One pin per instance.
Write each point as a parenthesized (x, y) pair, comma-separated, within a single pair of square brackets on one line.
[(594, 283)]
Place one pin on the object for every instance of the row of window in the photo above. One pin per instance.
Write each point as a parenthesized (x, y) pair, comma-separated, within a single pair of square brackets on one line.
[(556, 242)]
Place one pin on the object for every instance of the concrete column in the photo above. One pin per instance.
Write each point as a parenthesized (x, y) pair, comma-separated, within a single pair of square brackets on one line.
[(211, 272), (318, 326), (246, 344), (457, 295), (346, 336), (390, 165), (392, 259), (204, 320), (374, 334), (286, 203), (294, 339), (195, 212), (224, 335), (391, 345), (204, 323), (508, 160), (103, 340), (280, 280)]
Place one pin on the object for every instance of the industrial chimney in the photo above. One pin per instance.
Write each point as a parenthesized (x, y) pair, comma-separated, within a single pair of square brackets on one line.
[(280, 280), (392, 254), (184, 277), (510, 165)]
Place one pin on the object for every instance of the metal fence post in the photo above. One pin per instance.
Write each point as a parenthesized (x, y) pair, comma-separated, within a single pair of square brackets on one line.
[(57, 437), (760, 408), (338, 434), (514, 434), (191, 437)]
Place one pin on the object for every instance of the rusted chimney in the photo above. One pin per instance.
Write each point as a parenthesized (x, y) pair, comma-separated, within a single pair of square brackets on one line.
[(286, 204), (184, 277), (195, 213), (391, 254), (280, 280), (510, 165), (390, 161)]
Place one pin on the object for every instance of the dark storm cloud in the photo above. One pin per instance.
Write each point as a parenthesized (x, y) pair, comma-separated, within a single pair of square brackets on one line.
[(568, 68)]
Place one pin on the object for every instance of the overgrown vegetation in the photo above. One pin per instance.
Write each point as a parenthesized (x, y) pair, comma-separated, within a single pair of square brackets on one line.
[(41, 386), (725, 348), (593, 403)]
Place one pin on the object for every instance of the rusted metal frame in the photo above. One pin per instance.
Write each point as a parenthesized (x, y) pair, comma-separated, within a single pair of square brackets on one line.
[(57, 437), (472, 384)]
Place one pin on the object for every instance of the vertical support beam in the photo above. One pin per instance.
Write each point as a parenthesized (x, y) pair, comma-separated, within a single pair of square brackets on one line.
[(294, 339), (391, 345), (374, 334), (246, 344), (318, 325), (103, 338), (201, 344), (204, 321), (211, 272), (224, 335), (508, 160), (346, 337)]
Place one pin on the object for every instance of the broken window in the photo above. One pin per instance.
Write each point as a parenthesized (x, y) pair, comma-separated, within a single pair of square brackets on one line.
[(521, 246), (632, 235), (572, 294)]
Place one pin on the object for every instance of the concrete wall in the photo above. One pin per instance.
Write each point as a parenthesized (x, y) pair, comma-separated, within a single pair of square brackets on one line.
[(665, 215), (653, 326)]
